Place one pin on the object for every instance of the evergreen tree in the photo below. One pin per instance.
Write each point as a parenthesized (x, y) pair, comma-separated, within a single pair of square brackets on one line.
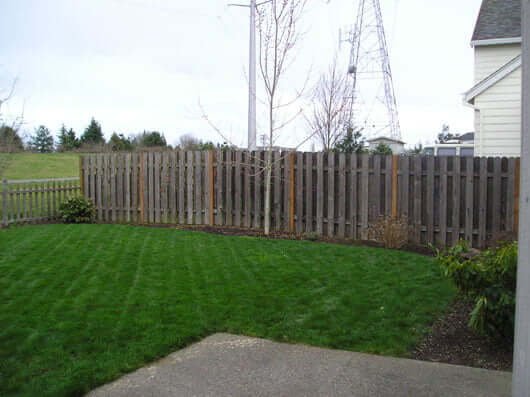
[(352, 142), (42, 140), (10, 141), (120, 143), (416, 150), (151, 139), (67, 140), (93, 134), (382, 149)]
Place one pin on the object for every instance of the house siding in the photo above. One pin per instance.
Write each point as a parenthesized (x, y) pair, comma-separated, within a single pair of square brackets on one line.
[(498, 118), (489, 59)]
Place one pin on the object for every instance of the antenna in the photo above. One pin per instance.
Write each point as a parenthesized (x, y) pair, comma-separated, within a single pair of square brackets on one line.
[(373, 103)]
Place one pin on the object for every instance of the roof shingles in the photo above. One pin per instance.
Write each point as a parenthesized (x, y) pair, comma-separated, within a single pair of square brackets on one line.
[(498, 19)]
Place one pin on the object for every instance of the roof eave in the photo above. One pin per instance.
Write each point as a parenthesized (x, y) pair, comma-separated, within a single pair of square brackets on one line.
[(492, 79), (502, 41)]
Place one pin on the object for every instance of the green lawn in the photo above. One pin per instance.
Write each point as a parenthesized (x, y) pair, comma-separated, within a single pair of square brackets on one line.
[(38, 166), (81, 305)]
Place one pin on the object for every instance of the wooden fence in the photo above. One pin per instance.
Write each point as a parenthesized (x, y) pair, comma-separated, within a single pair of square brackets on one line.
[(35, 200), (444, 198)]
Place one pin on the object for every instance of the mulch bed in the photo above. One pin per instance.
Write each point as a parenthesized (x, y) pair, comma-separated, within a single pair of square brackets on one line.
[(275, 235), (451, 341)]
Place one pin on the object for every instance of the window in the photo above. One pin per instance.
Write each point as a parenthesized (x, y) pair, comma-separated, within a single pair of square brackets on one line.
[(447, 151), (467, 152)]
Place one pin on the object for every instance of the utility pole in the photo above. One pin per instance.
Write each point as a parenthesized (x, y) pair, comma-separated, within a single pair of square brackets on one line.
[(521, 362), (251, 73)]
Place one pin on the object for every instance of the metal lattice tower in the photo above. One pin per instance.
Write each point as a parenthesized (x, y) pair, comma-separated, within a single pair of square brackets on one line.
[(373, 100)]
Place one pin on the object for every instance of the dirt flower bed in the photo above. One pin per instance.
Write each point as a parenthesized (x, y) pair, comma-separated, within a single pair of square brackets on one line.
[(451, 341)]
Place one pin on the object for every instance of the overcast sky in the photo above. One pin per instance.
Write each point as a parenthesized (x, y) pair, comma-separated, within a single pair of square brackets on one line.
[(146, 64)]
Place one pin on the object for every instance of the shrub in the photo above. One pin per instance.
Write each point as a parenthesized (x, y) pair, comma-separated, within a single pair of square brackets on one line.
[(311, 236), (77, 210), (489, 279), (390, 231)]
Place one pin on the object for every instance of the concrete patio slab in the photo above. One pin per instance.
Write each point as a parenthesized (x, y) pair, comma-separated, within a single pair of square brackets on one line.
[(230, 365)]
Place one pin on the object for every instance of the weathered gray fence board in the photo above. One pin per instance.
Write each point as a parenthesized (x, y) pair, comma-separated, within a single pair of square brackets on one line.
[(331, 194), (277, 190), (442, 203), (483, 197), (198, 182), (457, 183), (365, 199), (299, 192), (353, 196)]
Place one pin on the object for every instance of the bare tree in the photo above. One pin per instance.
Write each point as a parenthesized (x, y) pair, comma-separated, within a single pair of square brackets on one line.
[(278, 34), (7, 97), (329, 119), (10, 139)]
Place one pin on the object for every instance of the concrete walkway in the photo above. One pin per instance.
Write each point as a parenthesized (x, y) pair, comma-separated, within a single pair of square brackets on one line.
[(229, 365)]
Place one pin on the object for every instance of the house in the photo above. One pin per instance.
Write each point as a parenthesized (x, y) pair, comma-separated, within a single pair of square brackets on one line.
[(397, 146), (463, 145), (496, 95)]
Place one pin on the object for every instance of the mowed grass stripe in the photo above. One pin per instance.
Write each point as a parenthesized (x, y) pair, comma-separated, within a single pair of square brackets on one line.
[(92, 302)]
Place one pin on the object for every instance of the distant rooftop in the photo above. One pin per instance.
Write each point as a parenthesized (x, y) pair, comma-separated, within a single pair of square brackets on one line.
[(498, 19)]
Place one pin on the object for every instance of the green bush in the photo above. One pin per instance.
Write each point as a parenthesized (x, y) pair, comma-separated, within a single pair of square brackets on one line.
[(489, 279), (311, 236), (77, 210)]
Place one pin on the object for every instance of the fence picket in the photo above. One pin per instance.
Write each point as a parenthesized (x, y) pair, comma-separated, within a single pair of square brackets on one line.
[(331, 194), (483, 201), (189, 181), (364, 199), (442, 204), (198, 188), (341, 230), (308, 192), (238, 209), (229, 217), (353, 198), (320, 194), (457, 183), (277, 182)]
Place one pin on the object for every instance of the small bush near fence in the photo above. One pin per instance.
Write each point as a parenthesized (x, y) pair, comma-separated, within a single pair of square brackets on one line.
[(392, 232), (489, 279), (77, 210)]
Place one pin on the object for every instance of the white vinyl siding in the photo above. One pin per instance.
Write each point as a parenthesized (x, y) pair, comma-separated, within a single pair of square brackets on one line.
[(498, 118), (489, 59)]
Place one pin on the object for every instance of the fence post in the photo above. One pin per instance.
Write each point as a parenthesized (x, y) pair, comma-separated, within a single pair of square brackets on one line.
[(211, 187), (5, 220), (141, 188), (292, 202), (516, 195), (82, 176), (395, 166)]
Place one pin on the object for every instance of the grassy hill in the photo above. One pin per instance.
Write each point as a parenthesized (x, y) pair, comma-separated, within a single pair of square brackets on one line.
[(38, 166)]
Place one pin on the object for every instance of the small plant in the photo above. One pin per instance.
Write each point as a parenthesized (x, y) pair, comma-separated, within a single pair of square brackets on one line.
[(392, 232), (311, 236), (77, 210), (489, 279)]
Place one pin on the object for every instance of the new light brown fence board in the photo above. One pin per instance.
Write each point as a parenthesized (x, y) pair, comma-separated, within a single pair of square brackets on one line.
[(338, 195)]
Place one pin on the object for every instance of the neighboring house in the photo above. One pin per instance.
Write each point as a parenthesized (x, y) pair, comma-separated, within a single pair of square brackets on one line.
[(463, 145), (496, 95), (397, 146)]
